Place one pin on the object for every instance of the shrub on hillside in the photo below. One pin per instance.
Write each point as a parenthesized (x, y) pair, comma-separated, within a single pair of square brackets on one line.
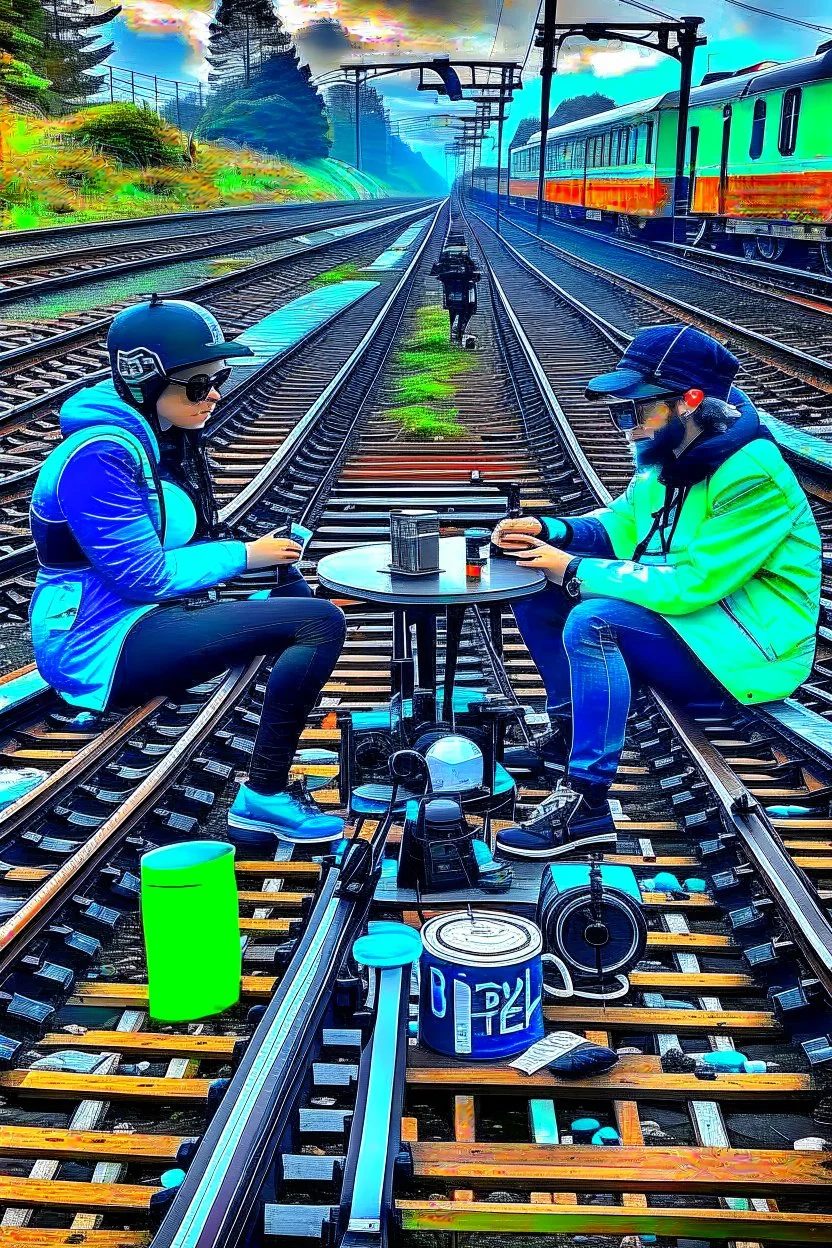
[(135, 136)]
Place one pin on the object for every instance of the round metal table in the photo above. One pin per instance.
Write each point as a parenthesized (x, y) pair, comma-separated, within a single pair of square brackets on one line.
[(362, 572)]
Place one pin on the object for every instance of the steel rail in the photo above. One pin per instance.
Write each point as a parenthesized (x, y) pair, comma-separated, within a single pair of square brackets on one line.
[(679, 254), (222, 1188), (793, 896), (791, 360), (16, 294), (220, 1195), (41, 907), (97, 752), (125, 223)]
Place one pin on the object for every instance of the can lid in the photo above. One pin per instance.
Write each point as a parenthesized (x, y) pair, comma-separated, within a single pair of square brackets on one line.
[(481, 938)]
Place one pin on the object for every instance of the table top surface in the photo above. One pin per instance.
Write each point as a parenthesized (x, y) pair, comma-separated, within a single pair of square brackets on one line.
[(361, 572)]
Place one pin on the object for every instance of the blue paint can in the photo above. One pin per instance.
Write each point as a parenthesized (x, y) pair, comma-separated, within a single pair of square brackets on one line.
[(481, 985)]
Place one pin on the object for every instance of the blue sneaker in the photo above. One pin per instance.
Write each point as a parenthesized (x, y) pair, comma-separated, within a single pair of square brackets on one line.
[(561, 823), (289, 816)]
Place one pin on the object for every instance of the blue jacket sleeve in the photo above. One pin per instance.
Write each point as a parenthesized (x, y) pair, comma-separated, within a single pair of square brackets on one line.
[(106, 511), (583, 535)]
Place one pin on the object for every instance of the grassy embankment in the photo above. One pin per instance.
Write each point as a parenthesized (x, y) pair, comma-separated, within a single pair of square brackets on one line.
[(49, 178)]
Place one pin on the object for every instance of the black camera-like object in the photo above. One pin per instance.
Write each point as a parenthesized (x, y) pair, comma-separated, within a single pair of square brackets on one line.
[(437, 846)]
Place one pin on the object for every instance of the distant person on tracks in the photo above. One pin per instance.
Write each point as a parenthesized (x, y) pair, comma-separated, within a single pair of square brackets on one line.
[(702, 579), (129, 545)]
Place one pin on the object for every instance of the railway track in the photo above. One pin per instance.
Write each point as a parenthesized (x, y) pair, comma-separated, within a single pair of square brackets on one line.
[(480, 1149), (631, 289), (23, 335), (30, 430), (28, 243), (71, 940), (470, 1148), (25, 279), (800, 285)]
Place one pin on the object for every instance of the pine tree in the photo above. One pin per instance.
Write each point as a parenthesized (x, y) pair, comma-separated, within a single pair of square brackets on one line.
[(72, 47), (243, 34), (21, 51), (263, 96)]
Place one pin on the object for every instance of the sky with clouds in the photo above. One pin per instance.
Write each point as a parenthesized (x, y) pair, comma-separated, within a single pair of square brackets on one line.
[(168, 37)]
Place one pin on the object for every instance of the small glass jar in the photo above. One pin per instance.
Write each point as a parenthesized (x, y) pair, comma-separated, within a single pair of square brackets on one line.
[(476, 552)]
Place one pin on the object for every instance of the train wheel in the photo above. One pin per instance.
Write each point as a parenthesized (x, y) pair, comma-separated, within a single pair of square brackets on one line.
[(631, 227), (770, 249), (826, 257), (749, 248)]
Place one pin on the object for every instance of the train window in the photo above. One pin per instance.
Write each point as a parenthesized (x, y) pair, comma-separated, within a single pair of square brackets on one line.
[(758, 130), (789, 118), (633, 144), (648, 144)]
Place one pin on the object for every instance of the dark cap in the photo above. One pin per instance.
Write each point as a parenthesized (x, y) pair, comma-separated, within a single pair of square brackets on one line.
[(670, 359)]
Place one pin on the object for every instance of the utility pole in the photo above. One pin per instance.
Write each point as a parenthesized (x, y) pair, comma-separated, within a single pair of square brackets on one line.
[(358, 121), (687, 44), (500, 119), (546, 40), (655, 36)]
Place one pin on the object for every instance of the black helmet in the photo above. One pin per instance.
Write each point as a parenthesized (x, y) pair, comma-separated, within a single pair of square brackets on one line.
[(149, 341)]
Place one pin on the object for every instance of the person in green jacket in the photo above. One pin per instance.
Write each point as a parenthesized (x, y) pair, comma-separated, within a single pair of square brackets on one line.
[(702, 579)]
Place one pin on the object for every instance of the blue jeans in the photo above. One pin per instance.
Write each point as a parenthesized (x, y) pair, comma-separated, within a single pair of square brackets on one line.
[(590, 657)]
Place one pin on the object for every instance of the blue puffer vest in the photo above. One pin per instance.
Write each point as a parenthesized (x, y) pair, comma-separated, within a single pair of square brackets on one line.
[(112, 542)]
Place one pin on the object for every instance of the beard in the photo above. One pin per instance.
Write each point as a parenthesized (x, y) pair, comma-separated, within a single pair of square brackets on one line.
[(659, 450)]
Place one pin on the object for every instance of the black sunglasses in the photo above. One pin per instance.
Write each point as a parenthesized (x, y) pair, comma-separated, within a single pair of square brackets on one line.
[(627, 413), (199, 387)]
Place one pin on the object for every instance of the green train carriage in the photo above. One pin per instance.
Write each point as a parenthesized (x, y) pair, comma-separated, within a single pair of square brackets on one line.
[(758, 161)]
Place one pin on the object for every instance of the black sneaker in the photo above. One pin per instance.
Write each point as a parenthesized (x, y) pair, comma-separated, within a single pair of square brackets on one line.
[(546, 755), (561, 823)]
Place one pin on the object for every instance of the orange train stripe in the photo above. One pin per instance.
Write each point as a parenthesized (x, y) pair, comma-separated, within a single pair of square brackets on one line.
[(791, 196), (647, 196)]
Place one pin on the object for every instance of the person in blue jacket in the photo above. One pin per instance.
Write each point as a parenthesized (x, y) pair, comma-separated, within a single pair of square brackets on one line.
[(125, 523)]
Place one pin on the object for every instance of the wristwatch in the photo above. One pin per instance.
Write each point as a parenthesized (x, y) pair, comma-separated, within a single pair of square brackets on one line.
[(571, 586)]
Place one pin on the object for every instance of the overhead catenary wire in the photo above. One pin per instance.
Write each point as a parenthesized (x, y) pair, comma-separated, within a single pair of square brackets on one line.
[(779, 17)]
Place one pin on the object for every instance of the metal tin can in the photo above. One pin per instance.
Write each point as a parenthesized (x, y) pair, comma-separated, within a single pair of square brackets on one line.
[(477, 542), (481, 985)]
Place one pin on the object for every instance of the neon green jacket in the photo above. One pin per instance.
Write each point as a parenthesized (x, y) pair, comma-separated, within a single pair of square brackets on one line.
[(740, 580)]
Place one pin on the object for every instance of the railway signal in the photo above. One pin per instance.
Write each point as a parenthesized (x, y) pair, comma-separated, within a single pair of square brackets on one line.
[(678, 39)]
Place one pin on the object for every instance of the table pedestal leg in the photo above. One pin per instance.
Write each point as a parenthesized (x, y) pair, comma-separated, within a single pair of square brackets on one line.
[(495, 618), (454, 617), (399, 650), (425, 622)]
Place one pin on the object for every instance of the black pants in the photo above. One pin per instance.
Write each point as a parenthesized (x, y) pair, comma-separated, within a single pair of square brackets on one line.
[(172, 648)]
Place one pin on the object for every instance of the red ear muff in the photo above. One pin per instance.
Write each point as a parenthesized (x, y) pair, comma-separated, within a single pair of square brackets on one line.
[(693, 398)]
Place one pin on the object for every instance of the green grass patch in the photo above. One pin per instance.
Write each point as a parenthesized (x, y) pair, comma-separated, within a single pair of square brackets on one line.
[(430, 364), (422, 421), (422, 388), (343, 273)]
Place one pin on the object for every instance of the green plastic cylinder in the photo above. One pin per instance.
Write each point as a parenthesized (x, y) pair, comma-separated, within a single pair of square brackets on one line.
[(191, 919)]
